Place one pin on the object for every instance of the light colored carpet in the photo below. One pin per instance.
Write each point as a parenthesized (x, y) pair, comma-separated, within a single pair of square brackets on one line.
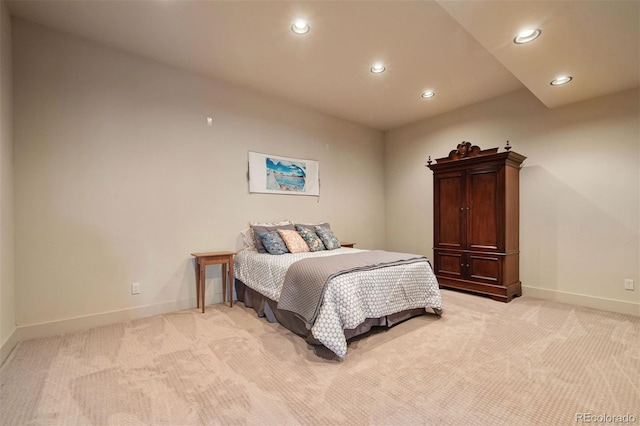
[(483, 362)]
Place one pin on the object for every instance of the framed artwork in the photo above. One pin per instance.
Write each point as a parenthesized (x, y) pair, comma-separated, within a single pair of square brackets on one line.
[(273, 174)]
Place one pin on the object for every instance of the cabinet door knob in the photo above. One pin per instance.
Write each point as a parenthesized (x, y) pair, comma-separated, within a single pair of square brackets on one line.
[(467, 265)]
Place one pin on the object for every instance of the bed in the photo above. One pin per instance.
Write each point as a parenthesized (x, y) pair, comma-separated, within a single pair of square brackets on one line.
[(351, 303)]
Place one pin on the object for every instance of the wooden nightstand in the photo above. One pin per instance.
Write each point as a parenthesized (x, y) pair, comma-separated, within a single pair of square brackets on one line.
[(346, 244), (224, 258)]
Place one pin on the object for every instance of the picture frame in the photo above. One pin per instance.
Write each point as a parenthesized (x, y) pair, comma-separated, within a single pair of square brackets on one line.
[(276, 174)]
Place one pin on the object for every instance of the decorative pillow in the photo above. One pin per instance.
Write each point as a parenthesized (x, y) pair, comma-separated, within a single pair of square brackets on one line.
[(260, 229), (273, 243), (328, 238), (311, 238), (293, 240)]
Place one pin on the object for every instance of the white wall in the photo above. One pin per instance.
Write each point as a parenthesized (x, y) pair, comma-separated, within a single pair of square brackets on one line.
[(580, 190), (118, 178), (7, 248)]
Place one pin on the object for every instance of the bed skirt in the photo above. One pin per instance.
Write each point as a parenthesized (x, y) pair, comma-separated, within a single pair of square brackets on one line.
[(268, 309)]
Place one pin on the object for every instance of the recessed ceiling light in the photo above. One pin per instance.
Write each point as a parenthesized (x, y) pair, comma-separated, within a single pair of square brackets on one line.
[(428, 94), (526, 36), (564, 79), (377, 68), (300, 26)]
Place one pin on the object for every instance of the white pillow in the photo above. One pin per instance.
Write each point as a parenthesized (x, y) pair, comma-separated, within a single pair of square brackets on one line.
[(284, 222), (247, 240)]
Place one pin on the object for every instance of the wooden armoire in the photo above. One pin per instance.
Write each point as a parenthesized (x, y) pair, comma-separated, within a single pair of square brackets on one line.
[(476, 198)]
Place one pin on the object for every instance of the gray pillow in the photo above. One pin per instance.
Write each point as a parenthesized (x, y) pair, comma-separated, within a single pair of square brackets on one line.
[(262, 229), (312, 226)]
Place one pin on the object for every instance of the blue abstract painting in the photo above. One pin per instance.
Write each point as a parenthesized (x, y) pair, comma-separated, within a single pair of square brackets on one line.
[(286, 175), (271, 174)]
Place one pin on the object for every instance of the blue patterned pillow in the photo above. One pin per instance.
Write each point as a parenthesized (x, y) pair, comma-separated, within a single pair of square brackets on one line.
[(258, 229), (273, 242), (328, 238), (311, 238)]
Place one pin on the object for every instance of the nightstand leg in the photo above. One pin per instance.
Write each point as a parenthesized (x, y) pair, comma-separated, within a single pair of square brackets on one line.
[(202, 277), (224, 282), (197, 283), (231, 283)]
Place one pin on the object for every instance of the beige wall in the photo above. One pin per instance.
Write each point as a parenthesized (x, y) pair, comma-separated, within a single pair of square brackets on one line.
[(580, 190), (7, 250), (118, 177)]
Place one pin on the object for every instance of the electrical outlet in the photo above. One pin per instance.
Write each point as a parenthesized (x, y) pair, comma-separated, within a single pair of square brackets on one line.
[(135, 288), (628, 284)]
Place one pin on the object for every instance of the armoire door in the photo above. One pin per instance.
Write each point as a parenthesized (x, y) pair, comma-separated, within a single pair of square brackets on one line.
[(449, 263), (485, 209), (449, 211)]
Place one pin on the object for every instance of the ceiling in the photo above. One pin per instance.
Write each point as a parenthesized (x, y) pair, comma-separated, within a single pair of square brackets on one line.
[(462, 50)]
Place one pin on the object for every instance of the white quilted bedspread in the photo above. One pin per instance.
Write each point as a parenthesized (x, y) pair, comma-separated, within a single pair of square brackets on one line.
[(350, 298)]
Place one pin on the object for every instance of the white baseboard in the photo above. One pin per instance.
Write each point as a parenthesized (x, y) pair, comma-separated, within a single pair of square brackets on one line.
[(610, 305), (8, 345), (69, 325)]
